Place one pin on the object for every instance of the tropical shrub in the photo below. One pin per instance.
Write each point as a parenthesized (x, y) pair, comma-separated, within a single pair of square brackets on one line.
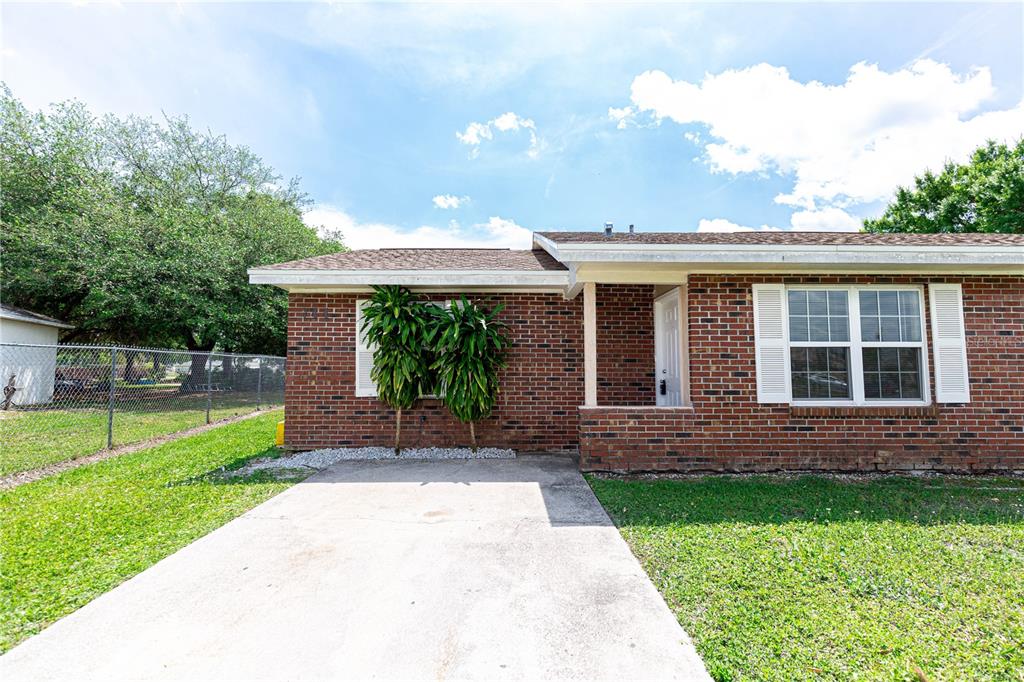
[(470, 344), (399, 326)]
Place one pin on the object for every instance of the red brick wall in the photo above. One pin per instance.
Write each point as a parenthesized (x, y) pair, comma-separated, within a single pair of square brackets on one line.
[(727, 430), (625, 344), (541, 388)]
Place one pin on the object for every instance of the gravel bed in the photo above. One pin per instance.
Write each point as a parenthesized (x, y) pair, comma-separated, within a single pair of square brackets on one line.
[(321, 459)]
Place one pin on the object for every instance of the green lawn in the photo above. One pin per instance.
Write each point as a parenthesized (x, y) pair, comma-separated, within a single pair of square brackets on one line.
[(814, 578), (30, 439), (66, 539)]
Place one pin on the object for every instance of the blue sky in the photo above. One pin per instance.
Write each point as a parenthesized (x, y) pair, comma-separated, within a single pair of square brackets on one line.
[(442, 125)]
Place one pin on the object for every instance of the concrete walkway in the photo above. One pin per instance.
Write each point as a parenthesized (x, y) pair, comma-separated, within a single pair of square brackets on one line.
[(502, 569)]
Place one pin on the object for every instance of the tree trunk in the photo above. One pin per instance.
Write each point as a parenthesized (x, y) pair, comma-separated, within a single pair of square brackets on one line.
[(197, 377), (196, 381), (130, 377), (398, 429), (472, 436)]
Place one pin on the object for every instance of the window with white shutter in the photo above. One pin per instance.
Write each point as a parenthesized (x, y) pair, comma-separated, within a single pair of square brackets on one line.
[(841, 345), (770, 341), (364, 357), (949, 342)]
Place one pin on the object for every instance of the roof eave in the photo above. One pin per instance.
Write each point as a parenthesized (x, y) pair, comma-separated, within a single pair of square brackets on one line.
[(31, 320), (438, 278), (783, 254)]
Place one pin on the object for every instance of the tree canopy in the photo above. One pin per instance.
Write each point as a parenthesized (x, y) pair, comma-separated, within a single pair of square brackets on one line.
[(141, 232), (983, 195)]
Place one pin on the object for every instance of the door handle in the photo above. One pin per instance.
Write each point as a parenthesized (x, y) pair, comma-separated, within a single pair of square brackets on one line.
[(662, 387)]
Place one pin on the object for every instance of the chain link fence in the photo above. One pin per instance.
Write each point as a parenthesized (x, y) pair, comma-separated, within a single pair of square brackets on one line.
[(65, 401)]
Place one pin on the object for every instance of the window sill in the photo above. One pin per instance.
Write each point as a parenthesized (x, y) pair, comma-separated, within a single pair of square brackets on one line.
[(864, 410)]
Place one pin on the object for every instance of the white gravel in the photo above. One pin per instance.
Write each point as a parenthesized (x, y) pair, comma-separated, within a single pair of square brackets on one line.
[(321, 459)]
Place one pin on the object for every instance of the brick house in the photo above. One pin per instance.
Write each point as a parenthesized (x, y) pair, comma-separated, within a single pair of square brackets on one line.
[(755, 351)]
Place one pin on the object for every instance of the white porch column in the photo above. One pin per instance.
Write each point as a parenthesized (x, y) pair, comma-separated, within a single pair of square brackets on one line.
[(590, 344)]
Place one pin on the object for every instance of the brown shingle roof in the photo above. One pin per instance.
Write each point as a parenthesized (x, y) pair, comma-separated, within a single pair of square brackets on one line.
[(427, 259), (788, 238)]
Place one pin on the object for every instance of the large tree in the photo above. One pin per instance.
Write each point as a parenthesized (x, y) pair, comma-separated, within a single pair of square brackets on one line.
[(983, 195), (141, 232)]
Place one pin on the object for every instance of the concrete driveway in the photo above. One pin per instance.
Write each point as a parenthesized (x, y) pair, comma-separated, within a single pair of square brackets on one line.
[(500, 569)]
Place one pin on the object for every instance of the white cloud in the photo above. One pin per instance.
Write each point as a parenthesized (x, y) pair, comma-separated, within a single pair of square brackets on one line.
[(449, 201), (846, 144), (475, 133), (825, 220), (723, 225), (495, 233), (622, 117)]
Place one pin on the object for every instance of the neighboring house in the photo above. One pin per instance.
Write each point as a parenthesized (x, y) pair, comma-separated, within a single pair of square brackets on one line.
[(33, 369), (749, 351)]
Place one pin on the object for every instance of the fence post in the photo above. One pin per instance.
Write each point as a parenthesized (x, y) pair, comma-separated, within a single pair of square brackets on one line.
[(209, 384), (259, 382), (110, 400)]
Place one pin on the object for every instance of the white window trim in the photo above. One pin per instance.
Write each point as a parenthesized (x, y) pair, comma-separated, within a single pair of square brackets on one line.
[(365, 392), (856, 369)]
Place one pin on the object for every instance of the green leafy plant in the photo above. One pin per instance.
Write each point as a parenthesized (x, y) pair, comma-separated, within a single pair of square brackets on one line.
[(400, 328), (470, 345), (984, 195)]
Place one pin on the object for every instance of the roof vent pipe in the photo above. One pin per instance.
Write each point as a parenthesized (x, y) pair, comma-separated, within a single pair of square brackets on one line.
[(607, 229), (631, 228)]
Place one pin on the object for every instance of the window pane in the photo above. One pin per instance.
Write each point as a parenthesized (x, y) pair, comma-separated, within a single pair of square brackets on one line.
[(869, 329), (817, 303), (871, 387), (896, 376), (839, 328), (869, 303), (888, 360), (820, 373), (909, 303), (800, 389), (797, 302), (818, 383), (911, 327), (837, 303), (910, 385), (818, 329), (890, 328), (798, 329), (888, 303)]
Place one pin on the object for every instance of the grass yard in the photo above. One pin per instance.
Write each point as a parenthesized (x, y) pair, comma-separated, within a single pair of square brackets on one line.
[(30, 439), (815, 578), (69, 538)]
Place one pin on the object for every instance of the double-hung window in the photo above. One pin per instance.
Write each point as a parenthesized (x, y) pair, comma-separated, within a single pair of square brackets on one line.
[(856, 345)]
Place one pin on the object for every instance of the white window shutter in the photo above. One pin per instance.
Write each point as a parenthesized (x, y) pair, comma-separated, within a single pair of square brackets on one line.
[(364, 357), (949, 344), (771, 343)]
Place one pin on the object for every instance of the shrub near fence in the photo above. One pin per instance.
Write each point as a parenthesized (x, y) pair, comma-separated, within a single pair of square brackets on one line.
[(63, 402)]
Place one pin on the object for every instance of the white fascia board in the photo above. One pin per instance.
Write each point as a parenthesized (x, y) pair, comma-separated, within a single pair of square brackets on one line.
[(437, 278), (15, 317), (786, 254)]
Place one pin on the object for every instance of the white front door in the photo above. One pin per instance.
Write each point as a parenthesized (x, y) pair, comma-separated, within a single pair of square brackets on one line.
[(667, 378)]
